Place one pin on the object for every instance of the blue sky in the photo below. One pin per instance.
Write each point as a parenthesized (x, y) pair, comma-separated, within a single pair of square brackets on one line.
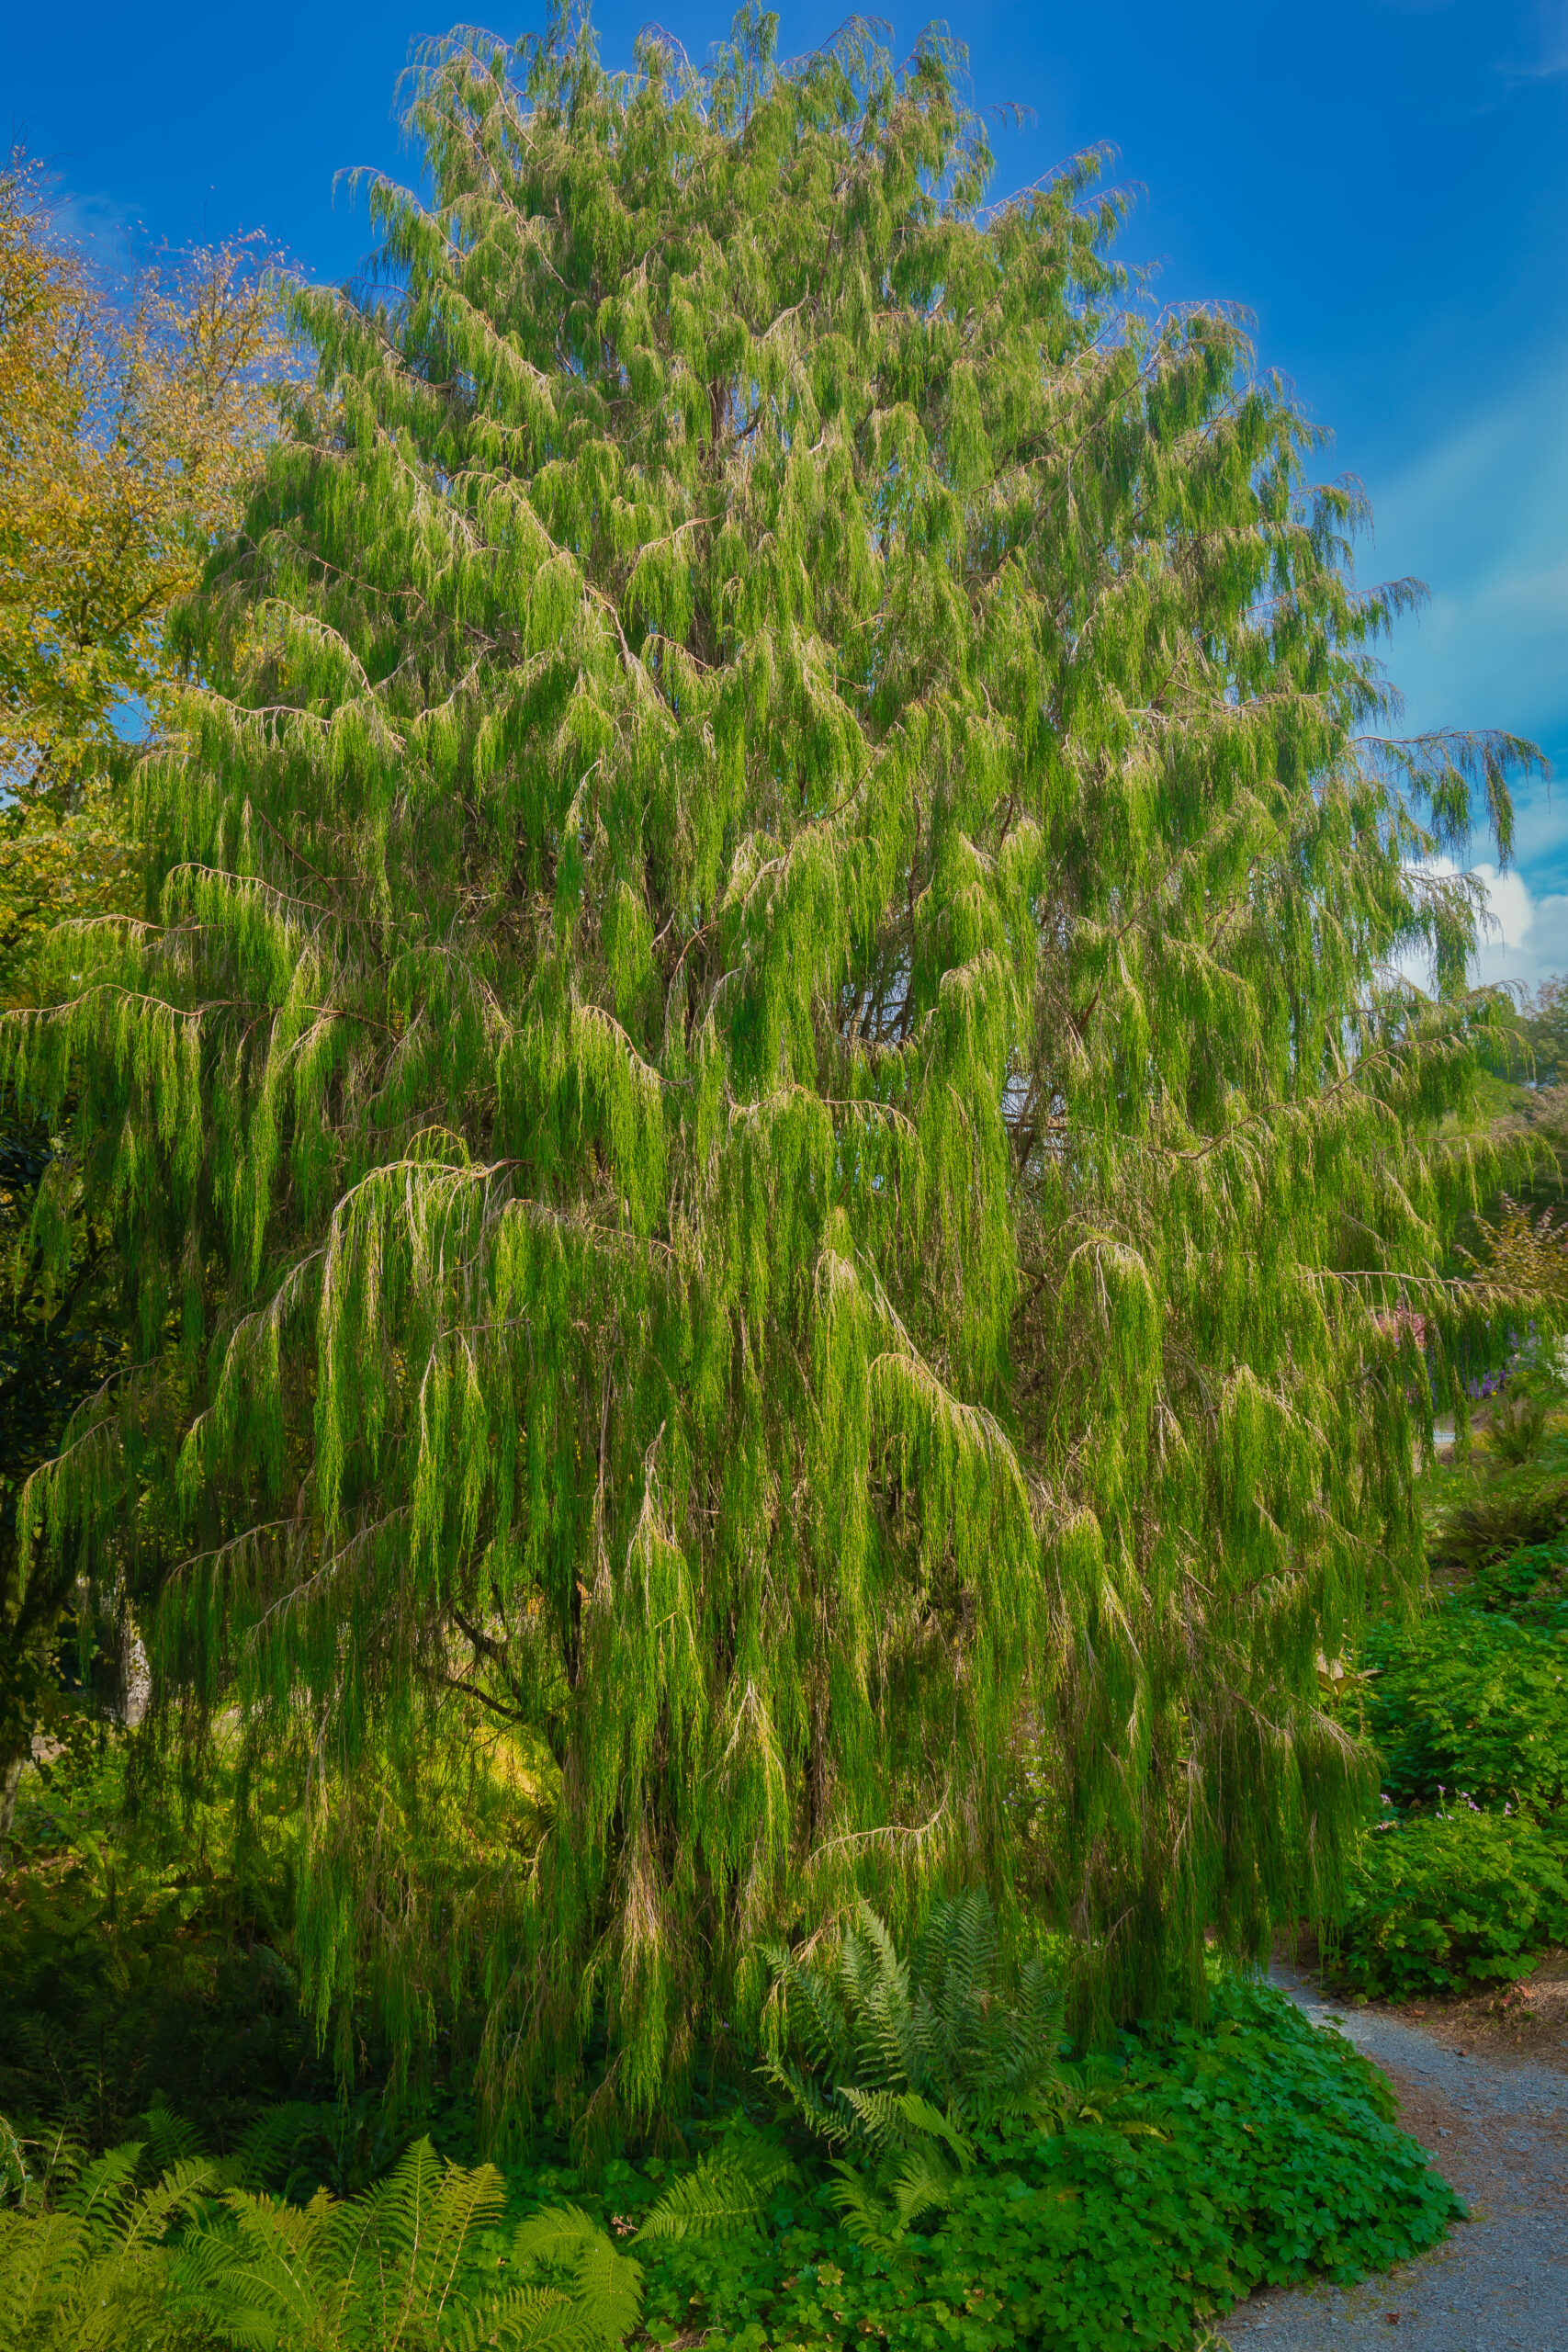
[(1382, 183)]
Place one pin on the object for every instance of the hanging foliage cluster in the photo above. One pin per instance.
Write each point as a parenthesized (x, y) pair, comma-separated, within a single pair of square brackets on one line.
[(764, 1087)]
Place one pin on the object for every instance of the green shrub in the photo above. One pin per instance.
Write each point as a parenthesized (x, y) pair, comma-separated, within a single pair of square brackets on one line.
[(1530, 1584), (1493, 1522), (1471, 1700), (869, 2027), (1440, 1903), (124, 1977), (154, 1965), (1517, 1428)]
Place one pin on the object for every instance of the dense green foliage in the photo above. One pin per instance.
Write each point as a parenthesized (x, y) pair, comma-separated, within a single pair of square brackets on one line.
[(1473, 1703), (403, 2268), (1530, 1584), (1444, 1902), (1464, 1881), (1274, 2158), (1277, 2159), (60, 1340), (1261, 2148), (126, 1977), (761, 1128), (1494, 1520), (89, 2271)]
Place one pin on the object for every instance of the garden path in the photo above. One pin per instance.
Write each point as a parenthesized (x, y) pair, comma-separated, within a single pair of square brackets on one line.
[(1497, 2128)]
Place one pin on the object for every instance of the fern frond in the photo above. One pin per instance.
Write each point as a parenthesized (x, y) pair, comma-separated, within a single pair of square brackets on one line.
[(828, 2119), (92, 2273), (261, 2272), (878, 2113), (102, 2189), (555, 2234), (609, 2292), (920, 2116), (171, 2139), (418, 2222), (919, 2187), (606, 2284), (869, 2222), (728, 2191), (817, 2019), (527, 2319), (881, 1994), (177, 2191)]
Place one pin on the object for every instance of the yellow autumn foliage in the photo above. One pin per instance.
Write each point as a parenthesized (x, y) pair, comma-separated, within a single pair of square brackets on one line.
[(1527, 1255), (130, 418)]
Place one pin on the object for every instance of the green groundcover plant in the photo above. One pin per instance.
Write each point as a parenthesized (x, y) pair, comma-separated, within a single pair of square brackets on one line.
[(1272, 2157)]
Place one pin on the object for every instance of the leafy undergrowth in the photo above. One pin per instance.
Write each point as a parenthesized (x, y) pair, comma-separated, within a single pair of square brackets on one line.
[(1276, 2157), (1471, 1703), (938, 2174), (1482, 1513), (1271, 2154), (1445, 1903), (135, 1970), (1464, 1881)]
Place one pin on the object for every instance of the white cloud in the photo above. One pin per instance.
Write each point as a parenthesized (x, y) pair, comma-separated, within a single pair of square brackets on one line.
[(1524, 939), (1527, 937)]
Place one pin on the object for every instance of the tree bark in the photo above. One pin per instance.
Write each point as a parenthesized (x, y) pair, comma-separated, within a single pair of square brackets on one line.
[(10, 1780)]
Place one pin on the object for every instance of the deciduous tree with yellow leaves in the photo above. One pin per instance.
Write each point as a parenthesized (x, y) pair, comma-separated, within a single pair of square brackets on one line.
[(130, 418)]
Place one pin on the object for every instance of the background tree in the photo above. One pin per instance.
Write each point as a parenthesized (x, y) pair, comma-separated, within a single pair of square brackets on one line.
[(1522, 1101), (768, 1088), (1543, 1023), (1534, 1112), (130, 416)]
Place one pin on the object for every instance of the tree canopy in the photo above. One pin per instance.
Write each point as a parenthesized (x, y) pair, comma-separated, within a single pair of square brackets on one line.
[(1543, 1027), (131, 411), (764, 1081)]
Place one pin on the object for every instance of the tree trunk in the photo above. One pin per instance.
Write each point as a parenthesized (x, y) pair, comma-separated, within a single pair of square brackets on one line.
[(10, 1780)]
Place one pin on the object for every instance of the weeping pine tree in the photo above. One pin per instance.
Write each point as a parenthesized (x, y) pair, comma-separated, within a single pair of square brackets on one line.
[(764, 1126)]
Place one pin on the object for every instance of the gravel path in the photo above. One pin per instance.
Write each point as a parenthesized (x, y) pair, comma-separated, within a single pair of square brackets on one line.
[(1498, 2129)]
